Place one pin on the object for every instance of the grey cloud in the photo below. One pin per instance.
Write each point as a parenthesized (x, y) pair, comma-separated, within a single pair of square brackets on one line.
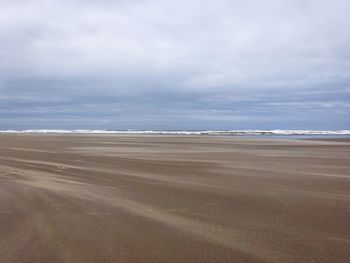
[(226, 64)]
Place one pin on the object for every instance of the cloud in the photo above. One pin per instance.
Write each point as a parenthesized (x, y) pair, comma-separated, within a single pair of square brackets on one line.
[(200, 63)]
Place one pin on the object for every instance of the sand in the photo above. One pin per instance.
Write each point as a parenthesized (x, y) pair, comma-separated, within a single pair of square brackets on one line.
[(104, 198)]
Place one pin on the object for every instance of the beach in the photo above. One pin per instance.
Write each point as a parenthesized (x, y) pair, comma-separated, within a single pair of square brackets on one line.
[(173, 198)]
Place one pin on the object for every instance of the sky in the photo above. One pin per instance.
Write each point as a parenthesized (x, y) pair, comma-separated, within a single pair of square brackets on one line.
[(175, 65)]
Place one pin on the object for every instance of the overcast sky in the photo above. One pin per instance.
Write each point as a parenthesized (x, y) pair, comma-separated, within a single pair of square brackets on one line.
[(185, 64)]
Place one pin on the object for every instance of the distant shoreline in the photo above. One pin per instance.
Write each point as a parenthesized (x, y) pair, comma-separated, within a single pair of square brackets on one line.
[(281, 133)]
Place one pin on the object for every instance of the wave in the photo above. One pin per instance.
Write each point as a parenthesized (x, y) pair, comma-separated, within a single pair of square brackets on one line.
[(187, 132)]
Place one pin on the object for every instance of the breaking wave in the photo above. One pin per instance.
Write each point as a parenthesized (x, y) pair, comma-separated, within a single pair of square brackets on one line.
[(187, 132)]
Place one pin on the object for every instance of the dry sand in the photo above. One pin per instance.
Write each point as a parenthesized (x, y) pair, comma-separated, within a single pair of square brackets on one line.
[(103, 198)]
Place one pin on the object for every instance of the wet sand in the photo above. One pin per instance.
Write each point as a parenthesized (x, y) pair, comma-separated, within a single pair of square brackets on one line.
[(108, 198)]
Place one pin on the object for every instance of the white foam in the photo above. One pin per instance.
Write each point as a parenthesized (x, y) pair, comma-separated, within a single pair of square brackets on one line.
[(204, 132)]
